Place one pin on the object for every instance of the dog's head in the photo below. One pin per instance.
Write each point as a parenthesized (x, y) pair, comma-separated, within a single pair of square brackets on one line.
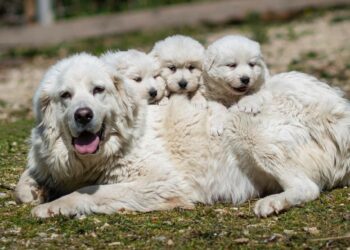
[(141, 72), (236, 63), (81, 102), (181, 61)]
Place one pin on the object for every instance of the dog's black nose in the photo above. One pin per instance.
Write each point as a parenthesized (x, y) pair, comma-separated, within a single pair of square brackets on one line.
[(183, 84), (245, 80), (152, 92), (83, 115)]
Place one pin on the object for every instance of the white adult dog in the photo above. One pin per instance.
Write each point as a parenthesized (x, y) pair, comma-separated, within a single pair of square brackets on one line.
[(140, 70), (234, 71), (91, 130), (181, 59)]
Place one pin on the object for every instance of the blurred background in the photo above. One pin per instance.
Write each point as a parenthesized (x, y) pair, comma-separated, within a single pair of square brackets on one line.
[(310, 36)]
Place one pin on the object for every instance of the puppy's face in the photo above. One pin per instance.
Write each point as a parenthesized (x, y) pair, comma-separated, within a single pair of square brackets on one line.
[(141, 72), (181, 77), (181, 59), (81, 103), (236, 64)]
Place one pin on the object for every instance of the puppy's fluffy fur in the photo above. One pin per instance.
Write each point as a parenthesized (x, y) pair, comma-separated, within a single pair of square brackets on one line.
[(234, 70), (140, 157), (141, 71), (181, 60)]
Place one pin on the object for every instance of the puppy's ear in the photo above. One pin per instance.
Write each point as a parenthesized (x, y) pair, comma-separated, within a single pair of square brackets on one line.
[(266, 72), (209, 60)]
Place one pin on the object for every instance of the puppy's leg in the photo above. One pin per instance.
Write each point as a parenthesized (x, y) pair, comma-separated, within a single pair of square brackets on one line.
[(298, 189), (217, 118), (108, 199), (28, 190), (199, 101)]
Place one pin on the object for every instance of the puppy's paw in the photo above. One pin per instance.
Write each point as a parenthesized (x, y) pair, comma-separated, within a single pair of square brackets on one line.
[(250, 104), (216, 127), (272, 204), (199, 102)]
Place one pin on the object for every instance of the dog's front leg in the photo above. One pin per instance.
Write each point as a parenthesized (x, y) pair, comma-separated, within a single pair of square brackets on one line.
[(108, 199), (217, 116)]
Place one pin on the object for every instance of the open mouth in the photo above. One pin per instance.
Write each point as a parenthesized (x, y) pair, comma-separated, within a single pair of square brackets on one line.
[(87, 142), (240, 89)]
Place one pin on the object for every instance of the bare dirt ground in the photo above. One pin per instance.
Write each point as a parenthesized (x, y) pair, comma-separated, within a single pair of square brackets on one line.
[(319, 46)]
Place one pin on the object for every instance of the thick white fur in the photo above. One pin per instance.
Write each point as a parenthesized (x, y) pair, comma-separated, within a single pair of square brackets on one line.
[(298, 144), (227, 60), (181, 59), (140, 70)]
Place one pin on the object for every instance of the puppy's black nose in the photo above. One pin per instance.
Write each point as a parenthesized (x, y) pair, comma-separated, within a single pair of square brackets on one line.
[(245, 80), (83, 115), (183, 84), (152, 92)]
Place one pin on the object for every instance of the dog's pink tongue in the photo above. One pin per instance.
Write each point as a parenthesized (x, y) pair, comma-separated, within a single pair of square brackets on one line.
[(86, 143)]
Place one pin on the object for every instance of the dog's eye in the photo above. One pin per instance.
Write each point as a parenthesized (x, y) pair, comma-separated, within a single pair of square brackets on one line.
[(191, 67), (252, 64), (65, 95), (172, 68), (98, 90), (232, 65), (138, 79)]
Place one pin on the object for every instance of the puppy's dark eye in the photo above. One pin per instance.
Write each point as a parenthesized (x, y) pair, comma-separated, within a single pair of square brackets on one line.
[(232, 65), (98, 90), (172, 68), (191, 67), (252, 64), (138, 79), (66, 95)]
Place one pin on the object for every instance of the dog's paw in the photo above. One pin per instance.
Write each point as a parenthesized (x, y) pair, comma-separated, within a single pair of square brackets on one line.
[(55, 208), (272, 204), (216, 127), (250, 104), (199, 102), (30, 193)]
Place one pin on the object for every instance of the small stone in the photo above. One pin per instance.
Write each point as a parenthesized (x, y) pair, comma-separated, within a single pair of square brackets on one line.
[(82, 217), (97, 220), (3, 195), (93, 235), (10, 203), (116, 243), (246, 232), (42, 235), (53, 236), (160, 238), (311, 230), (241, 240), (105, 226), (289, 232), (234, 208), (170, 242)]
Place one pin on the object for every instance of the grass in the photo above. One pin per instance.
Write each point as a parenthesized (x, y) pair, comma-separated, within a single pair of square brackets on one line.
[(219, 226)]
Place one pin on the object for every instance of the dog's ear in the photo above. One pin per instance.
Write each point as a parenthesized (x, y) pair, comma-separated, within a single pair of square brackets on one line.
[(266, 72), (209, 60)]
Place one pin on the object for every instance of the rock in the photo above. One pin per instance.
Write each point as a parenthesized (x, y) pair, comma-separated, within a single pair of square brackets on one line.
[(170, 242), (241, 240), (160, 238), (311, 230), (3, 195), (42, 235)]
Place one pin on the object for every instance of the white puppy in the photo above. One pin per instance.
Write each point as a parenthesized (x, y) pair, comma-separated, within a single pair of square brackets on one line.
[(234, 70), (181, 59), (141, 71)]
